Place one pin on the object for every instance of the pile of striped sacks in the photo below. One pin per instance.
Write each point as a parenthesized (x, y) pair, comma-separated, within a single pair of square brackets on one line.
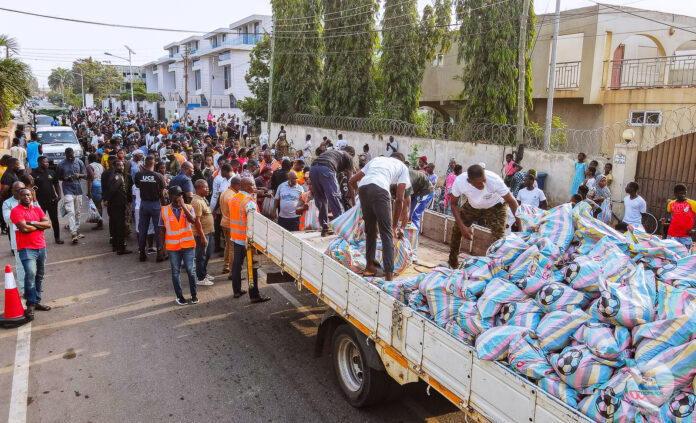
[(604, 321)]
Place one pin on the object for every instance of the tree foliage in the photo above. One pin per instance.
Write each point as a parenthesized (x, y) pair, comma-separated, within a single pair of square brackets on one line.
[(348, 87), (407, 46), (15, 78), (60, 79), (256, 107), (297, 63), (488, 40), (99, 79), (139, 93)]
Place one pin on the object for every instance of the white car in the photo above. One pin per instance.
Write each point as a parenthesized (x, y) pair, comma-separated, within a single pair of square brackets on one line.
[(55, 139)]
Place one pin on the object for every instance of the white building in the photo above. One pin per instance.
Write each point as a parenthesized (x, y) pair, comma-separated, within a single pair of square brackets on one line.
[(217, 64)]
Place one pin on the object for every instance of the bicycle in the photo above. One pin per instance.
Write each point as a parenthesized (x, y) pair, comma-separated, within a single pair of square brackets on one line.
[(648, 220)]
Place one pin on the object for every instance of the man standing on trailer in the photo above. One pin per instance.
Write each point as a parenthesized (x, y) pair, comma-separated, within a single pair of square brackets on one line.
[(373, 183), (487, 200)]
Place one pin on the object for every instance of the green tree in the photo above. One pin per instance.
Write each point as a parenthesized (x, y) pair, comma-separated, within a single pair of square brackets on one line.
[(139, 93), (15, 77), (99, 79), (297, 66), (488, 38), (60, 79), (407, 47), (349, 35), (256, 107)]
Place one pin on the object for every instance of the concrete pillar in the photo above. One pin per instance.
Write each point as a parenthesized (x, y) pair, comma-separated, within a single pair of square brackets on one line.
[(625, 161)]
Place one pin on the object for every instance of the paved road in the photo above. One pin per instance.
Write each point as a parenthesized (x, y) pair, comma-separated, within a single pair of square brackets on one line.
[(117, 348)]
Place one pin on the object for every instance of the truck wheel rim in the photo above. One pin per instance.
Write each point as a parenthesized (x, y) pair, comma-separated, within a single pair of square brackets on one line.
[(350, 364)]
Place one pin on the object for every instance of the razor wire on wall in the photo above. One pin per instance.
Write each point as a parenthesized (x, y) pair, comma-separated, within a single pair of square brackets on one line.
[(598, 141)]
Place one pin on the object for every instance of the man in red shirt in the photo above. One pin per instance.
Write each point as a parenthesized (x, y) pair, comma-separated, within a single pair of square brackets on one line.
[(683, 211), (31, 247)]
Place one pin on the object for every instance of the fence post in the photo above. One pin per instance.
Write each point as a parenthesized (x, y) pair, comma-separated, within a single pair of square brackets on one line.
[(625, 162)]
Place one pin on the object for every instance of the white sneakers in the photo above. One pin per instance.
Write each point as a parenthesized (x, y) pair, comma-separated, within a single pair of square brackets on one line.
[(207, 281)]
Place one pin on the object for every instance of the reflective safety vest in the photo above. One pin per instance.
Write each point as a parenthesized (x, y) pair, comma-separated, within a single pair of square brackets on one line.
[(305, 199), (274, 165), (178, 233), (238, 217)]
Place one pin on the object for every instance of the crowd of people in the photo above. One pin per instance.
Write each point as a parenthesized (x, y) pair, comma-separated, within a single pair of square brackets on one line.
[(185, 188)]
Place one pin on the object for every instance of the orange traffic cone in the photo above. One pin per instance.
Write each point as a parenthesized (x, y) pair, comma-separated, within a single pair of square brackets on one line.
[(14, 311)]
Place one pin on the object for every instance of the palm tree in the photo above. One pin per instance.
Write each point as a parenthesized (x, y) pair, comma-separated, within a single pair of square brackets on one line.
[(59, 79), (10, 44), (14, 86)]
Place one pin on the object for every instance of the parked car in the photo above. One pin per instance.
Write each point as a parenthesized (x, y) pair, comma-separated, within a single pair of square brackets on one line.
[(55, 139)]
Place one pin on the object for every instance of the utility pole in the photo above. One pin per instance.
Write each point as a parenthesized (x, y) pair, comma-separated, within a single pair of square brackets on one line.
[(522, 72), (82, 91), (270, 84), (552, 79), (186, 59), (130, 71)]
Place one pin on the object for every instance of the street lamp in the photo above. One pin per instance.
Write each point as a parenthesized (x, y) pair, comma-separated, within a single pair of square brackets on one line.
[(82, 77), (130, 68)]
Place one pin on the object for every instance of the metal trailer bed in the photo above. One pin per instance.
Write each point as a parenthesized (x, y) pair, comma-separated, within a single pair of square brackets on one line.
[(410, 346)]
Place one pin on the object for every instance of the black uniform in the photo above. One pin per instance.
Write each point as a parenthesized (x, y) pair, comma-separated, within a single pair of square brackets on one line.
[(46, 185)]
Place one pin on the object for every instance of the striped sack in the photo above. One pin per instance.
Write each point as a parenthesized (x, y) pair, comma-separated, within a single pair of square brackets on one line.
[(469, 319), (580, 369), (267, 207), (507, 249), (604, 340), (556, 387), (556, 296), (674, 301), (652, 339), (498, 292), (628, 304), (493, 344), (652, 246), (401, 287), (349, 225), (523, 313), (557, 225), (608, 404), (530, 216), (311, 218), (525, 357), (556, 328)]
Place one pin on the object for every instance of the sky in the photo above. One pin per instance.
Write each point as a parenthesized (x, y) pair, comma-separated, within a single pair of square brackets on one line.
[(46, 44)]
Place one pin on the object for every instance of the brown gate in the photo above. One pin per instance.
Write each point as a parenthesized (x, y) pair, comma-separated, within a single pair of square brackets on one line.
[(661, 168)]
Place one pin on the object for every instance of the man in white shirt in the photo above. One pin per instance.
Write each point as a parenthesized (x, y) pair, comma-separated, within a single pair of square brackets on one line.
[(634, 207), (341, 143), (373, 183), (307, 150), (531, 195), (486, 195), (392, 146)]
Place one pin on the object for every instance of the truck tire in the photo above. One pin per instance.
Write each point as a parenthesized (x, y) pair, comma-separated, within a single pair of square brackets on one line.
[(361, 384)]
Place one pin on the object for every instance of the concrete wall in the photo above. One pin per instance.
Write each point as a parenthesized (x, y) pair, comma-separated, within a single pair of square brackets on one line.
[(558, 166), (571, 111)]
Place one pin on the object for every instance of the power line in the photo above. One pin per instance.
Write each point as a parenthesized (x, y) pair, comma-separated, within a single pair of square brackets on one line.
[(149, 28), (643, 17)]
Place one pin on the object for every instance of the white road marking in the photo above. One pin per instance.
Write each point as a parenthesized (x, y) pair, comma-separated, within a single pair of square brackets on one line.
[(20, 377)]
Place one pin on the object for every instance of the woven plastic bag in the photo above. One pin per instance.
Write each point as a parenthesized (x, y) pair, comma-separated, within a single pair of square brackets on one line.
[(557, 225), (493, 344), (604, 340), (530, 216), (443, 305), (482, 268), (652, 339), (343, 252), (455, 330), (267, 207), (556, 328), (556, 296), (524, 313), (607, 404), (556, 387), (580, 369), (498, 292), (400, 288), (93, 215), (507, 249), (683, 270), (674, 301), (540, 273), (525, 357), (311, 218), (411, 234), (652, 246), (469, 319), (349, 225), (681, 408), (628, 304)]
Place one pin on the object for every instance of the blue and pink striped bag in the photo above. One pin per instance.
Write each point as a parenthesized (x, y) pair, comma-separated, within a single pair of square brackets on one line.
[(493, 344), (580, 369)]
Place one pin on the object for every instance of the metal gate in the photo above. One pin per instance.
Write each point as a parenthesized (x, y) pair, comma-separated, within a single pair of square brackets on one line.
[(662, 167)]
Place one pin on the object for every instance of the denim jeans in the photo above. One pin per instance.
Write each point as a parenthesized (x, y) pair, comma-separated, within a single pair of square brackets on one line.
[(149, 213), (418, 206), (33, 261), (684, 240), (176, 259), (236, 273), (326, 193), (203, 255)]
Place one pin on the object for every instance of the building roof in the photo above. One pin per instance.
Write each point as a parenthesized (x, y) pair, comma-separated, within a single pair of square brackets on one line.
[(223, 30), (615, 11), (250, 18)]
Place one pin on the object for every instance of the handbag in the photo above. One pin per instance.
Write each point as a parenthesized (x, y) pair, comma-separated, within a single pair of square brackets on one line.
[(93, 215)]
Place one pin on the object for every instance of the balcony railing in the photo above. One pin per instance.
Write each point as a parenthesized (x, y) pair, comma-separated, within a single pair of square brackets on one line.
[(234, 40), (667, 71), (567, 76), (225, 56)]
